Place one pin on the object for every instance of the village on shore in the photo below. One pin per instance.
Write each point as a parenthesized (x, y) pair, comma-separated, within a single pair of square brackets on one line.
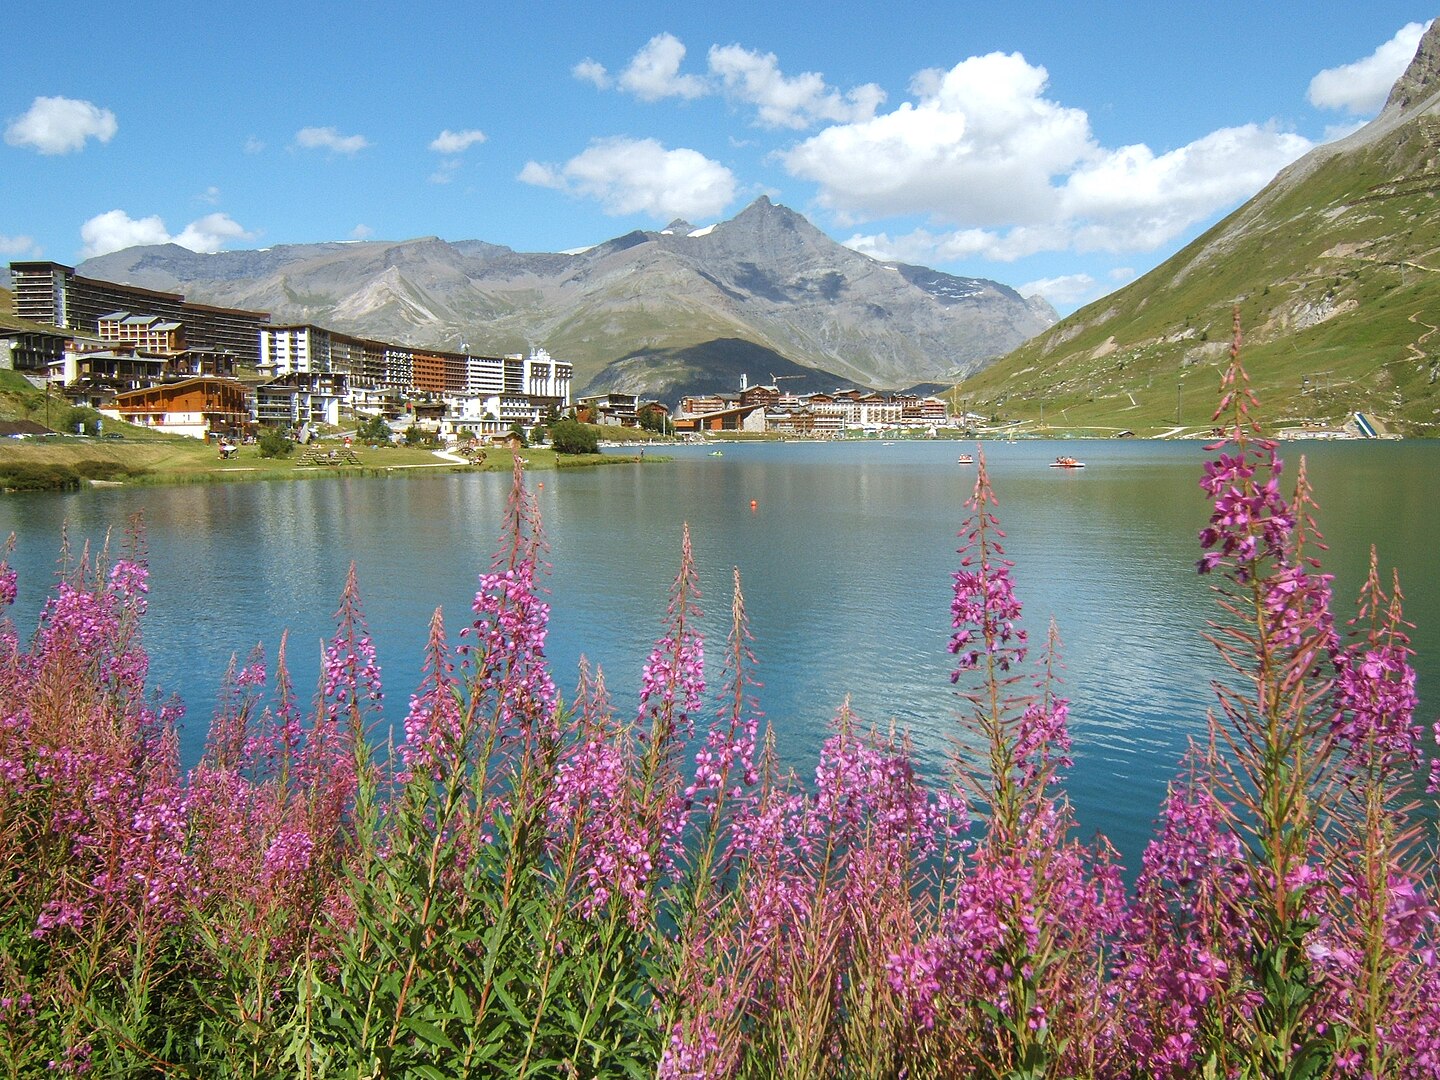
[(161, 362)]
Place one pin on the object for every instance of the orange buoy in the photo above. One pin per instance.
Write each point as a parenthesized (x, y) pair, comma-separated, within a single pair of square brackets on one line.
[(542, 485), (753, 504)]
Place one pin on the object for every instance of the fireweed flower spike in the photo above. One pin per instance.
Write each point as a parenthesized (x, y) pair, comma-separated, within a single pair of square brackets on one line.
[(1376, 942), (672, 690), (8, 576), (504, 658), (1009, 979), (1276, 637)]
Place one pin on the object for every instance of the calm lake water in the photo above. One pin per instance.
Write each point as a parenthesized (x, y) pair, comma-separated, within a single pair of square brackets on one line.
[(846, 562)]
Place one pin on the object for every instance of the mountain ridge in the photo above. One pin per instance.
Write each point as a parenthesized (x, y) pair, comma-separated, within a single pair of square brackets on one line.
[(767, 276)]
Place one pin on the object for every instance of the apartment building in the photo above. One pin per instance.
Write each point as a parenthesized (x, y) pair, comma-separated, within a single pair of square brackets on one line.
[(52, 293), (294, 350), (301, 398), (147, 333)]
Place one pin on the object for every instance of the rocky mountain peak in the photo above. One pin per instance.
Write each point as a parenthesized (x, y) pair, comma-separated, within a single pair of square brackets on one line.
[(1422, 77), (766, 222), (767, 276)]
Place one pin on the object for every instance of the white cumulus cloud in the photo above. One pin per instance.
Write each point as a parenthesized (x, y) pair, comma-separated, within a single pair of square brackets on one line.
[(456, 142), (744, 75), (788, 101), (18, 247), (1361, 87), (980, 146), (926, 246), (654, 72), (116, 230), (592, 71), (211, 233), (1132, 199), (629, 176), (1063, 291), (329, 138), (59, 125), (1013, 173)]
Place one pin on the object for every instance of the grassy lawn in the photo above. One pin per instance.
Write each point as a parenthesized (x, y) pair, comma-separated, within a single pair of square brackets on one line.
[(179, 461)]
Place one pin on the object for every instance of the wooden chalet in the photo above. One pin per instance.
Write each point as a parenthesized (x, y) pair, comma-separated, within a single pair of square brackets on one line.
[(202, 408)]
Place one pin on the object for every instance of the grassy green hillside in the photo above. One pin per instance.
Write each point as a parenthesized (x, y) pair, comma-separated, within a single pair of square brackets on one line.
[(1335, 270)]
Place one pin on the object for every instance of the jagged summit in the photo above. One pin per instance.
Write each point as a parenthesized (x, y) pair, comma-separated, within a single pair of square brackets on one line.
[(1422, 77), (767, 276)]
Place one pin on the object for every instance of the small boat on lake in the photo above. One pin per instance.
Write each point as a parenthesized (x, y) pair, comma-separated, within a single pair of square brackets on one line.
[(717, 453), (966, 459), (1064, 462)]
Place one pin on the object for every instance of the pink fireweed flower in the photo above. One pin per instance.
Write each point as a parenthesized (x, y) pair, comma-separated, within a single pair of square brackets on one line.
[(672, 682), (507, 649), (1375, 698), (673, 678), (1250, 521), (591, 804), (867, 791), (253, 673), (350, 673), (433, 734), (1184, 932), (287, 858), (729, 748), (508, 642), (130, 581), (985, 611), (155, 857), (692, 1053), (58, 914), (672, 689), (1042, 738), (1374, 694), (9, 578)]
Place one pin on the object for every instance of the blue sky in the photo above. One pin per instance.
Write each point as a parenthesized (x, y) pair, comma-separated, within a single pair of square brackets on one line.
[(1059, 148)]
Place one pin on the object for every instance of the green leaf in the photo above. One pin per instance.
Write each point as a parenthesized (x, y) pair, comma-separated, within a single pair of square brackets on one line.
[(460, 1002), (431, 1033)]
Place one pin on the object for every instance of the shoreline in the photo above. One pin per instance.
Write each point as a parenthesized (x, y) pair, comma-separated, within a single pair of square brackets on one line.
[(76, 463)]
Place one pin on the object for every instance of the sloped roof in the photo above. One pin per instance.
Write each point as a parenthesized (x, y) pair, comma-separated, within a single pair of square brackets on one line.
[(22, 427)]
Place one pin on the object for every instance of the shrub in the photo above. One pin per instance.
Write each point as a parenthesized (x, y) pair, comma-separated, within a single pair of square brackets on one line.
[(34, 476), (78, 420), (92, 469), (572, 437), (274, 443), (374, 431), (28, 476)]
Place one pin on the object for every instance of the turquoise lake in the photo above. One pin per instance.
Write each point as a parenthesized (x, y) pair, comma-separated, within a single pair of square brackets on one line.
[(846, 562)]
